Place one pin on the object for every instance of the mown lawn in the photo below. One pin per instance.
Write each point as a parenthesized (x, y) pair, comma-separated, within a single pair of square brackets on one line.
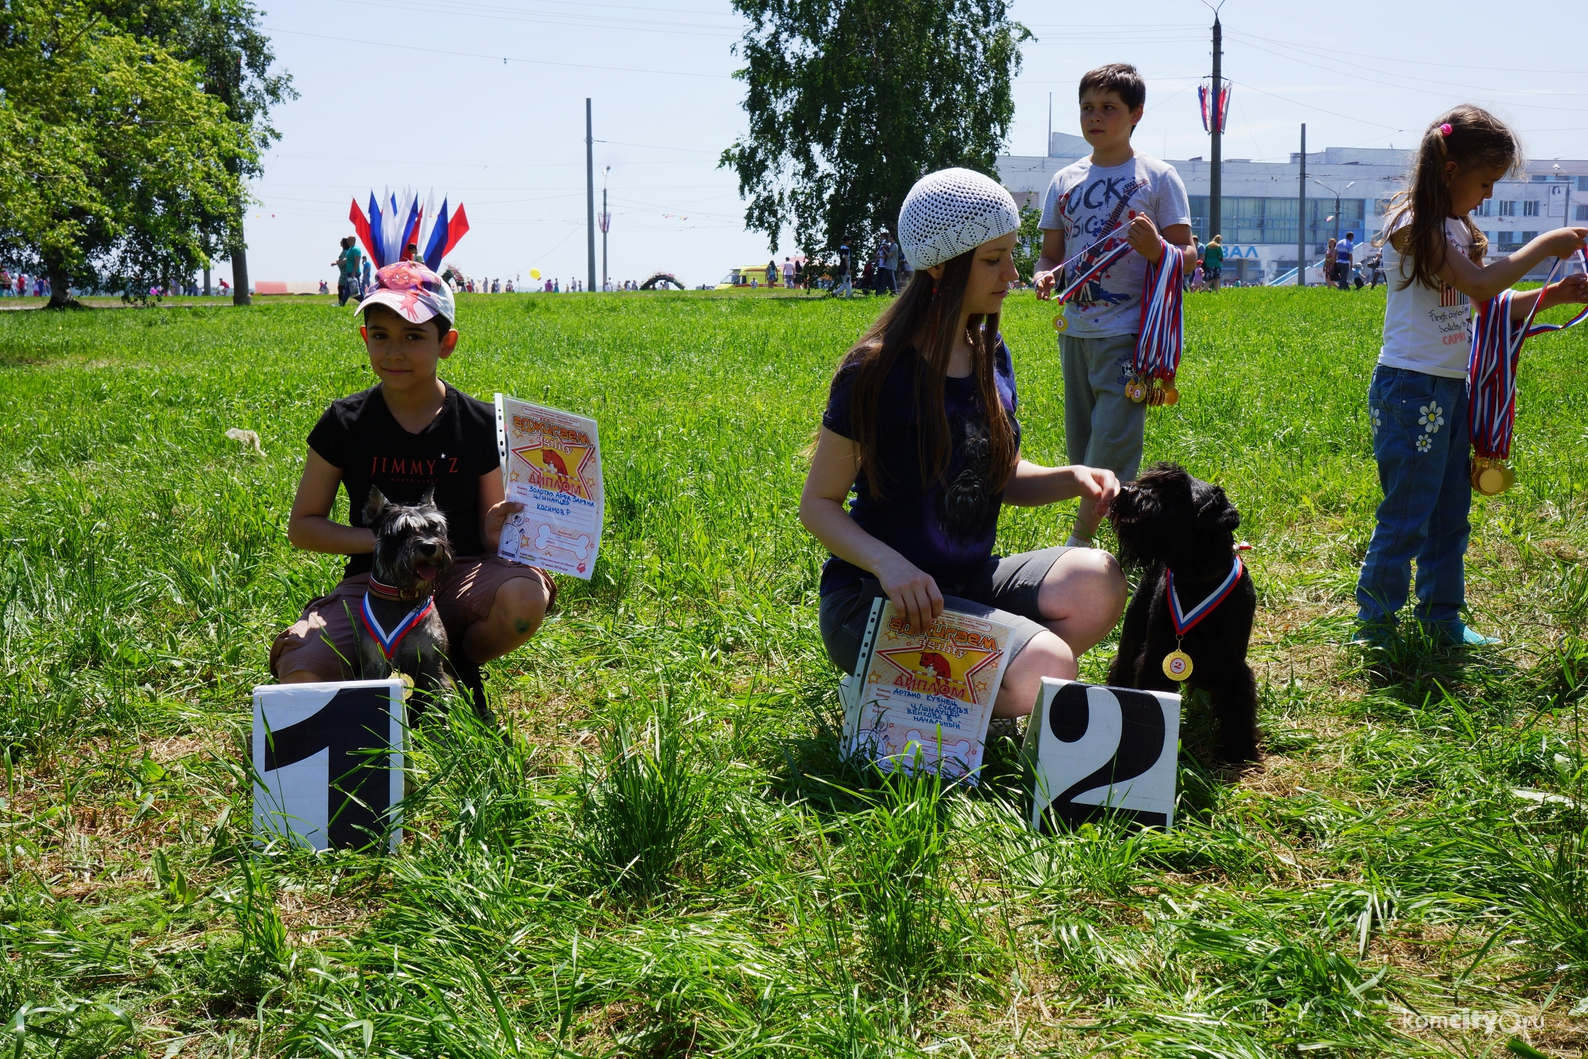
[(1406, 873)]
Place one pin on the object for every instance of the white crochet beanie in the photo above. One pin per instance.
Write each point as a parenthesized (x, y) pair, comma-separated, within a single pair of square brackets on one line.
[(951, 211)]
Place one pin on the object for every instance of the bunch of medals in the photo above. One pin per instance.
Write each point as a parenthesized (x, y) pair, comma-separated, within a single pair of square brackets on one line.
[(1162, 337), (1491, 379)]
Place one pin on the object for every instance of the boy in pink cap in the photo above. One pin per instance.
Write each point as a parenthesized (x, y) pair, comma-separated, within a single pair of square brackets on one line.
[(410, 433)]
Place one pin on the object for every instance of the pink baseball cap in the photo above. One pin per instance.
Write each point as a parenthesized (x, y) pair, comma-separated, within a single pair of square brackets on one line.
[(412, 291)]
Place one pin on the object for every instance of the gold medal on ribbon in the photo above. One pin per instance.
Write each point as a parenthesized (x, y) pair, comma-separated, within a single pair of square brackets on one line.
[(1170, 394), (1136, 389), (1491, 477), (1060, 324), (1177, 665)]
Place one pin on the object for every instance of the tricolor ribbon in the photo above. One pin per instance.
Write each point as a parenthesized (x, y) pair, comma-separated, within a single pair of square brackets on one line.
[(1491, 369), (1539, 329), (1096, 267), (389, 640), (1184, 620), (1162, 337)]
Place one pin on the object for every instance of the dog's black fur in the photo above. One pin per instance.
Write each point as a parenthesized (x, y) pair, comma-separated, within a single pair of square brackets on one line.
[(412, 553), (1167, 520)]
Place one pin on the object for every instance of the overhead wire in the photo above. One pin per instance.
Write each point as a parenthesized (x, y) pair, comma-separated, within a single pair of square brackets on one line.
[(503, 58)]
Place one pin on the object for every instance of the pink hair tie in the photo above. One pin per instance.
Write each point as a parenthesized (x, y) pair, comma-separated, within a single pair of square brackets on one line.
[(1445, 129)]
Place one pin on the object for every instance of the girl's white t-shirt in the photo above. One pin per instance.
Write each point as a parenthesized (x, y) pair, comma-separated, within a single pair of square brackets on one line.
[(1426, 330)]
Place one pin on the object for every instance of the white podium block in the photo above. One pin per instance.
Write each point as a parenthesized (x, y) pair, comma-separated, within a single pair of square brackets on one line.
[(328, 762), (1101, 750)]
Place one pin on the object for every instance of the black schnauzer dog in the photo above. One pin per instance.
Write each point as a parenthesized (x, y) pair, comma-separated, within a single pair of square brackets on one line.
[(1181, 530), (401, 629)]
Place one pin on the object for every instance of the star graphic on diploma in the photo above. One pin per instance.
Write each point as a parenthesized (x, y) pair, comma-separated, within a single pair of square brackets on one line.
[(560, 467), (950, 667)]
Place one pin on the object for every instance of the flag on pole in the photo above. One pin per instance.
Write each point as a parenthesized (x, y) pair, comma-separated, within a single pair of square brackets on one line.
[(1203, 92)]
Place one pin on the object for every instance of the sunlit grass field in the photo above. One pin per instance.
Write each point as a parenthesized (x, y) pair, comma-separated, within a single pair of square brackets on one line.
[(666, 859)]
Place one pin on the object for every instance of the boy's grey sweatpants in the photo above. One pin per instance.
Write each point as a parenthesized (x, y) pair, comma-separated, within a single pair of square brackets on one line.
[(1102, 427)]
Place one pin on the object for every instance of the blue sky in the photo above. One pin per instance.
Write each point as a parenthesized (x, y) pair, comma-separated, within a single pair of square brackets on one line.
[(484, 102)]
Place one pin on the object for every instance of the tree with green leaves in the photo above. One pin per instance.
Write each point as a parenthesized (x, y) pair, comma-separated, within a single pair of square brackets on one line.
[(851, 101), (121, 165), (235, 58)]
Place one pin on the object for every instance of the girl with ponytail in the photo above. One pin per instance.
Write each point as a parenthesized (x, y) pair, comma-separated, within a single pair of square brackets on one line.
[(920, 425), (1417, 402)]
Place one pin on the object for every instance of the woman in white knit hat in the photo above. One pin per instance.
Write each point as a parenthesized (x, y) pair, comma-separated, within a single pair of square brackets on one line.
[(920, 424)]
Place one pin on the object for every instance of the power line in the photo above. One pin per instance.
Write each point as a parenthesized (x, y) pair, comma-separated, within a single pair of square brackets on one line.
[(1402, 60), (1310, 106), (560, 18), (504, 58), (1412, 87)]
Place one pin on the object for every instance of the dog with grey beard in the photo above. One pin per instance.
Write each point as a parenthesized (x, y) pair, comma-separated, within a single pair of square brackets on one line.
[(397, 620)]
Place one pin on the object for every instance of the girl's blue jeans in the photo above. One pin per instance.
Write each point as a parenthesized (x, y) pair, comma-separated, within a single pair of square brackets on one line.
[(1420, 440)]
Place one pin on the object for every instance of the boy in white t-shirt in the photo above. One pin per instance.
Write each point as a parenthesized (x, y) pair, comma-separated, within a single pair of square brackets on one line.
[(1123, 191)]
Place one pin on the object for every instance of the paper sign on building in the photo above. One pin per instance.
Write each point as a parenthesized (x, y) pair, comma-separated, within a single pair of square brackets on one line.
[(551, 463), (1557, 200), (328, 762), (1096, 750), (929, 693)]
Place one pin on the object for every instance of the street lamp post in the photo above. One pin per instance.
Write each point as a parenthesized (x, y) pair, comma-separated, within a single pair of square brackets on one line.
[(1336, 194), (606, 223)]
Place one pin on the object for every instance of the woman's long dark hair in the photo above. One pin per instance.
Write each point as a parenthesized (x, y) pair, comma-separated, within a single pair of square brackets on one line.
[(1476, 138), (928, 312)]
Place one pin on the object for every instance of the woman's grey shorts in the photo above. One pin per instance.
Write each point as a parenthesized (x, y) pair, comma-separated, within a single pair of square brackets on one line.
[(1003, 590)]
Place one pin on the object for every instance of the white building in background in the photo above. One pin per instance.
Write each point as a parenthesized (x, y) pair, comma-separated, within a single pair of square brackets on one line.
[(1262, 201)]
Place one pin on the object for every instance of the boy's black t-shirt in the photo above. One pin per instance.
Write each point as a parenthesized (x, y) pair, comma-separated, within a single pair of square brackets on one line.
[(359, 435)]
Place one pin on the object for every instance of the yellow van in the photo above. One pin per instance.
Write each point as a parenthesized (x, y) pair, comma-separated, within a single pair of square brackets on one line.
[(739, 278)]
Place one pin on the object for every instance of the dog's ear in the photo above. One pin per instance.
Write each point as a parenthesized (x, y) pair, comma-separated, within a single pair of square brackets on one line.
[(429, 497), (374, 505), (1216, 508)]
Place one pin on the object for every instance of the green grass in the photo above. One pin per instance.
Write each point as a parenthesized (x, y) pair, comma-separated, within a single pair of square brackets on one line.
[(666, 859)]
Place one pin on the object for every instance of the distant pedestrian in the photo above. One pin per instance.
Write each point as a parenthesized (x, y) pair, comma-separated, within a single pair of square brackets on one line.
[(888, 255), (1329, 260), (1213, 262), (364, 285), (788, 273), (1342, 260), (347, 265)]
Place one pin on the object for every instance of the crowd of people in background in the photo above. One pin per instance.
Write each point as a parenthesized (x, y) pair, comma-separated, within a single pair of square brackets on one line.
[(21, 285)]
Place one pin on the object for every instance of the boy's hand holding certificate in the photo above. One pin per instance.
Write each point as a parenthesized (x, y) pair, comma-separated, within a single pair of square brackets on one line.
[(551, 463)]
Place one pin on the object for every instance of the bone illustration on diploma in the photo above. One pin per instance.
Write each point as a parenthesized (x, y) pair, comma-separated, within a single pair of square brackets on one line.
[(551, 463)]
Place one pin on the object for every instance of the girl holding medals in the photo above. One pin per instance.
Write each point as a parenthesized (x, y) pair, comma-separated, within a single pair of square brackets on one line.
[(920, 426), (1417, 402)]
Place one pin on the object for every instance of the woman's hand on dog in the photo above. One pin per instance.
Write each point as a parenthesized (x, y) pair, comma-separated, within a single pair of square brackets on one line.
[(912, 591), (1097, 487)]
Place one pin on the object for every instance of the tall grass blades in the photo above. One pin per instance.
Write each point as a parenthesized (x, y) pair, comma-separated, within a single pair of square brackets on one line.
[(640, 805), (660, 854), (895, 861)]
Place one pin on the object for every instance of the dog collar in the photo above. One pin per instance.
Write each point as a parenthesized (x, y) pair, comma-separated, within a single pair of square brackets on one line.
[(389, 640), (385, 591), (1183, 619)]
